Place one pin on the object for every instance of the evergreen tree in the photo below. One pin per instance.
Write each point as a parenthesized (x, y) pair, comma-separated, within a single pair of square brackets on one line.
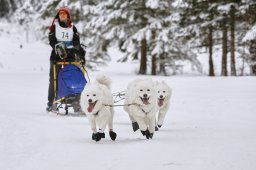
[(198, 21), (224, 71), (224, 18), (232, 14), (4, 8), (143, 29), (7, 7), (248, 18)]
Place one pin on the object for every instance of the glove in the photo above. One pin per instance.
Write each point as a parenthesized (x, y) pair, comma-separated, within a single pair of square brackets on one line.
[(79, 51), (82, 52)]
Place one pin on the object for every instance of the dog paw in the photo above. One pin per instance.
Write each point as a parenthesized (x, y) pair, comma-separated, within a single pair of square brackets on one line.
[(102, 135), (156, 128), (97, 136), (135, 126), (94, 136), (144, 132), (149, 135), (112, 135)]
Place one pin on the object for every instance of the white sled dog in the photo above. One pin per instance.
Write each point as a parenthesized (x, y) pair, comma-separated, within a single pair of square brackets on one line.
[(95, 101), (164, 93), (141, 105)]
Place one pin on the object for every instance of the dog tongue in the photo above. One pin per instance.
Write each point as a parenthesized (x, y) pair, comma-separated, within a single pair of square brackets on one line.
[(145, 101), (160, 102), (90, 107)]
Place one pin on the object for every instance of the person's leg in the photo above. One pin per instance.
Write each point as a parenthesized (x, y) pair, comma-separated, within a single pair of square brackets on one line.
[(51, 86)]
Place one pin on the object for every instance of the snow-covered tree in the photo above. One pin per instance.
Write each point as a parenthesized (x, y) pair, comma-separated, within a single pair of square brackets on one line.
[(158, 33), (7, 7), (144, 30), (215, 23), (248, 36), (197, 23)]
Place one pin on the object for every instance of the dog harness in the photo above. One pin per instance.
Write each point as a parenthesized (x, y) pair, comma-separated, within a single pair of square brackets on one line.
[(96, 114)]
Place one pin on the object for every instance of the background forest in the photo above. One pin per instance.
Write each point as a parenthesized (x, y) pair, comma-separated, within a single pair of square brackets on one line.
[(161, 35)]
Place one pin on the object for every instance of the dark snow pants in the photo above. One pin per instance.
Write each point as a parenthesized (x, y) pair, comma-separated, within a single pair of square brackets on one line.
[(51, 94)]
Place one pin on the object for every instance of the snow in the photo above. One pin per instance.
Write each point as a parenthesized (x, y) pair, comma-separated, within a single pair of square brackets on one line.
[(210, 125), (154, 4), (250, 35)]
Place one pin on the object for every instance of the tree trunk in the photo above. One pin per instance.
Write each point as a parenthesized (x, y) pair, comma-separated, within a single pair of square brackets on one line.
[(162, 65), (253, 70), (252, 50), (224, 71), (210, 45), (153, 67), (232, 41), (153, 62), (143, 58), (13, 5), (4, 8)]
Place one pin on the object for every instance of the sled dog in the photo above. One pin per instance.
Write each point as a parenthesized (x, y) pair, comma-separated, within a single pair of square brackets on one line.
[(95, 101), (164, 93), (141, 105)]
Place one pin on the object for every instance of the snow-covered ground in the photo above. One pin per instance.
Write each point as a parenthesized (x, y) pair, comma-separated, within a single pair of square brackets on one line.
[(210, 125)]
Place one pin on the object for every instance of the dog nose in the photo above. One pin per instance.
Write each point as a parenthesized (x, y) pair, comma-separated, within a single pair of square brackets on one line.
[(145, 95), (90, 100), (161, 96)]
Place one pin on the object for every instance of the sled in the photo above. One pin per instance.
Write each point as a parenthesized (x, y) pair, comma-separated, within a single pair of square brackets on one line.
[(69, 82)]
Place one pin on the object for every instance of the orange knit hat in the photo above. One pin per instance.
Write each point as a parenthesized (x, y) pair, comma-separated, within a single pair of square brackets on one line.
[(67, 10)]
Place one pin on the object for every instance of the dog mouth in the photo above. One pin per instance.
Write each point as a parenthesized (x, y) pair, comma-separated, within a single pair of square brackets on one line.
[(91, 106), (160, 102), (145, 100)]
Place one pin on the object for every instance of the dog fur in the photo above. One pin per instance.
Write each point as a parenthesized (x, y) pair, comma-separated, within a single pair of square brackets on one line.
[(95, 102), (141, 105), (164, 93)]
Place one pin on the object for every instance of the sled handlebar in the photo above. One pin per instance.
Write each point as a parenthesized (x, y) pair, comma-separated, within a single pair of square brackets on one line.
[(68, 62)]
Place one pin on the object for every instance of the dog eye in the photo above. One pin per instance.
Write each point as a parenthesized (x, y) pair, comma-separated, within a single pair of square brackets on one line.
[(148, 89), (94, 94), (164, 91), (141, 90), (87, 95)]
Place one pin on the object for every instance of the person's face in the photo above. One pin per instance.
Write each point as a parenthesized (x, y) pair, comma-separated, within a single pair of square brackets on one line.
[(63, 16)]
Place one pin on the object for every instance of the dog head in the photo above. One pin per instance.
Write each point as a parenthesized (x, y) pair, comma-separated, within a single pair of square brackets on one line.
[(163, 92), (145, 91), (92, 98)]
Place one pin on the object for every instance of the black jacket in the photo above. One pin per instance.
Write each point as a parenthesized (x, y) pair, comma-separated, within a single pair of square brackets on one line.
[(76, 43)]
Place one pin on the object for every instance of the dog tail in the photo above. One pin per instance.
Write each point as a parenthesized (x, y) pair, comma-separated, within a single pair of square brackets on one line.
[(103, 79)]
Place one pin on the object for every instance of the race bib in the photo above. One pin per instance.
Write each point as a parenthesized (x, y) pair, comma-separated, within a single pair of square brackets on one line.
[(64, 34)]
